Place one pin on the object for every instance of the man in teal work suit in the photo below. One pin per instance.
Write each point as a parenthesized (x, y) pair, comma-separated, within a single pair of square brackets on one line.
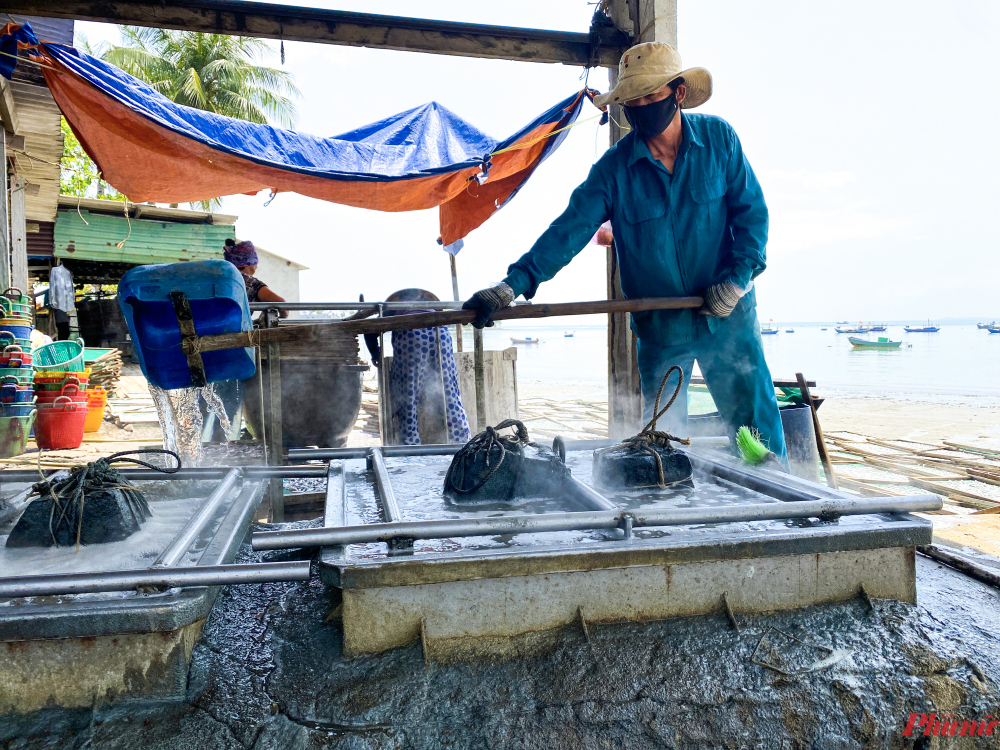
[(689, 218)]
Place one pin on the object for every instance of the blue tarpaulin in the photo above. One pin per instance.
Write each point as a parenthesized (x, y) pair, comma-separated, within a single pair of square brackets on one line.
[(153, 149)]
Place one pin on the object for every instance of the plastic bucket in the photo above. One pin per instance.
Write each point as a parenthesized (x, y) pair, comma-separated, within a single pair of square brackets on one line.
[(800, 441), (16, 410), (13, 392), (72, 391), (60, 425), (97, 399), (14, 352), (14, 432), (56, 384), (12, 309), (17, 328), (19, 298), (22, 375), (60, 355), (7, 338)]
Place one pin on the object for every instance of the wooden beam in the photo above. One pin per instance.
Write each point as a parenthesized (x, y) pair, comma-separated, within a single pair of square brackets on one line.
[(8, 109), (314, 331), (4, 223), (18, 237), (602, 47)]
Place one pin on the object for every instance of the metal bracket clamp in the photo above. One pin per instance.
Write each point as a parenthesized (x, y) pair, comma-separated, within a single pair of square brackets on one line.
[(189, 339), (625, 524)]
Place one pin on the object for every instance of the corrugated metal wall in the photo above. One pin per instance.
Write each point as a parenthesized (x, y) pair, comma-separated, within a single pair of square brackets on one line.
[(149, 241), (41, 239)]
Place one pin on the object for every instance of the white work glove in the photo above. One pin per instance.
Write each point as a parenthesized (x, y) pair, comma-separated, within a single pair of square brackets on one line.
[(721, 299)]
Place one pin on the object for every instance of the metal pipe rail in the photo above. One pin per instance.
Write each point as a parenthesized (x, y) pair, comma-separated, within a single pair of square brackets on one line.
[(127, 580), (544, 522), (365, 306), (386, 497), (195, 525)]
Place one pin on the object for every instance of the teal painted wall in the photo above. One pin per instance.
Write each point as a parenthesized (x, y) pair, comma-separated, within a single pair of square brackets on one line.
[(149, 241)]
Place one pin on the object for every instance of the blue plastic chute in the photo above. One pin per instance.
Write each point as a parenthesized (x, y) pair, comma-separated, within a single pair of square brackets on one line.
[(218, 299)]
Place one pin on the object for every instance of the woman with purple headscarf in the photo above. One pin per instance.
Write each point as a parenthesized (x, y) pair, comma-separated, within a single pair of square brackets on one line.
[(243, 255)]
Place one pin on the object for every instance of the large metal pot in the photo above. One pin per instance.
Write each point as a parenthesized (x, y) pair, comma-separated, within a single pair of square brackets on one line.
[(320, 401)]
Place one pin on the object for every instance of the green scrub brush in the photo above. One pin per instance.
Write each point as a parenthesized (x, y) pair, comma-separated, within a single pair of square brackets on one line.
[(750, 447)]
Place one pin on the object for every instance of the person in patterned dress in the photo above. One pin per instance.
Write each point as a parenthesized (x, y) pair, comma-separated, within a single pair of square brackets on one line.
[(423, 380)]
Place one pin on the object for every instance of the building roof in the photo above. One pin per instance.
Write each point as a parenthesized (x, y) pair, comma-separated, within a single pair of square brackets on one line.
[(84, 235), (144, 211)]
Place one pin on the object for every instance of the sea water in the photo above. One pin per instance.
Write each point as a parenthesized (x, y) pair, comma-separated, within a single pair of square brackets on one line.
[(958, 362)]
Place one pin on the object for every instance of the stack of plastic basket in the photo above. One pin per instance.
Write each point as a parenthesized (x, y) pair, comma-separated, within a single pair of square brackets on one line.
[(17, 395), (61, 394)]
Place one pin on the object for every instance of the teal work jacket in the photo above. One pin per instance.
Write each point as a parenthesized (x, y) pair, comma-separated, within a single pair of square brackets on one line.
[(675, 234)]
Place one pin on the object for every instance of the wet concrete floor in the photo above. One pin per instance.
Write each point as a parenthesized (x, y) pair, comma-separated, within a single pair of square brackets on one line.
[(268, 673)]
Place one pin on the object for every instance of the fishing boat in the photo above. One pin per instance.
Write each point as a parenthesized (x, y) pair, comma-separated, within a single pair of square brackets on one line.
[(882, 343), (823, 329), (993, 329), (987, 326), (789, 330), (923, 329), (881, 327), (526, 340), (568, 335), (838, 329), (768, 330)]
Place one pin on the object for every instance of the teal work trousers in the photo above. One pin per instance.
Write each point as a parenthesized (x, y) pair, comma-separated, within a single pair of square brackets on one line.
[(731, 360)]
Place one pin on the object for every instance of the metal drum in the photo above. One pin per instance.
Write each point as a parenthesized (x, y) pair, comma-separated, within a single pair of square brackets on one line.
[(320, 391)]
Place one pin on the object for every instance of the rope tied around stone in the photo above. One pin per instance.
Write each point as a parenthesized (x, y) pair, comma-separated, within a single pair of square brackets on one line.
[(69, 494), (484, 441), (650, 435)]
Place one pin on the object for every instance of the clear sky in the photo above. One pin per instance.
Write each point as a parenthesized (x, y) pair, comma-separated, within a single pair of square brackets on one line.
[(872, 127)]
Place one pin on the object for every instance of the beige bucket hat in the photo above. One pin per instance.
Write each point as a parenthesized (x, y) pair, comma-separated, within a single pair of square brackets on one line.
[(647, 67)]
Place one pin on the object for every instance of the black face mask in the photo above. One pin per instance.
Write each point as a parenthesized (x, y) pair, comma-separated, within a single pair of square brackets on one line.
[(649, 120)]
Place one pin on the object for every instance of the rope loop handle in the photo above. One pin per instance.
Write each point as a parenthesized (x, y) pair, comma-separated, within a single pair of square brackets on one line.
[(116, 457), (484, 441), (650, 435)]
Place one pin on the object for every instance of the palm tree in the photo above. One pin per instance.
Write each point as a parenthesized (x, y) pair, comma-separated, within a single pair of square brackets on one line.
[(214, 72)]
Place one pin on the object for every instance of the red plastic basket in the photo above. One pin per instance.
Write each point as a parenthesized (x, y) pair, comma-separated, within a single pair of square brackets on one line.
[(60, 426), (71, 391)]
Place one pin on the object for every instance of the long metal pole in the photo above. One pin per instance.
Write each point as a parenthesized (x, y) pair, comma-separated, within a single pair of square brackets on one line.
[(389, 451), (193, 528), (454, 292), (387, 498), (588, 496), (127, 580), (479, 371), (371, 307), (543, 522)]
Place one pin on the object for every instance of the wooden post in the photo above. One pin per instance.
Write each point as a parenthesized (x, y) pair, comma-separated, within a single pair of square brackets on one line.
[(645, 21), (480, 369), (824, 457), (4, 223), (18, 237), (457, 298)]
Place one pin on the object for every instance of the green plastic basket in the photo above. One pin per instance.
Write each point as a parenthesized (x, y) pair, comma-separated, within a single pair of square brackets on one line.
[(59, 355), (23, 375), (14, 309), (14, 432), (19, 298)]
